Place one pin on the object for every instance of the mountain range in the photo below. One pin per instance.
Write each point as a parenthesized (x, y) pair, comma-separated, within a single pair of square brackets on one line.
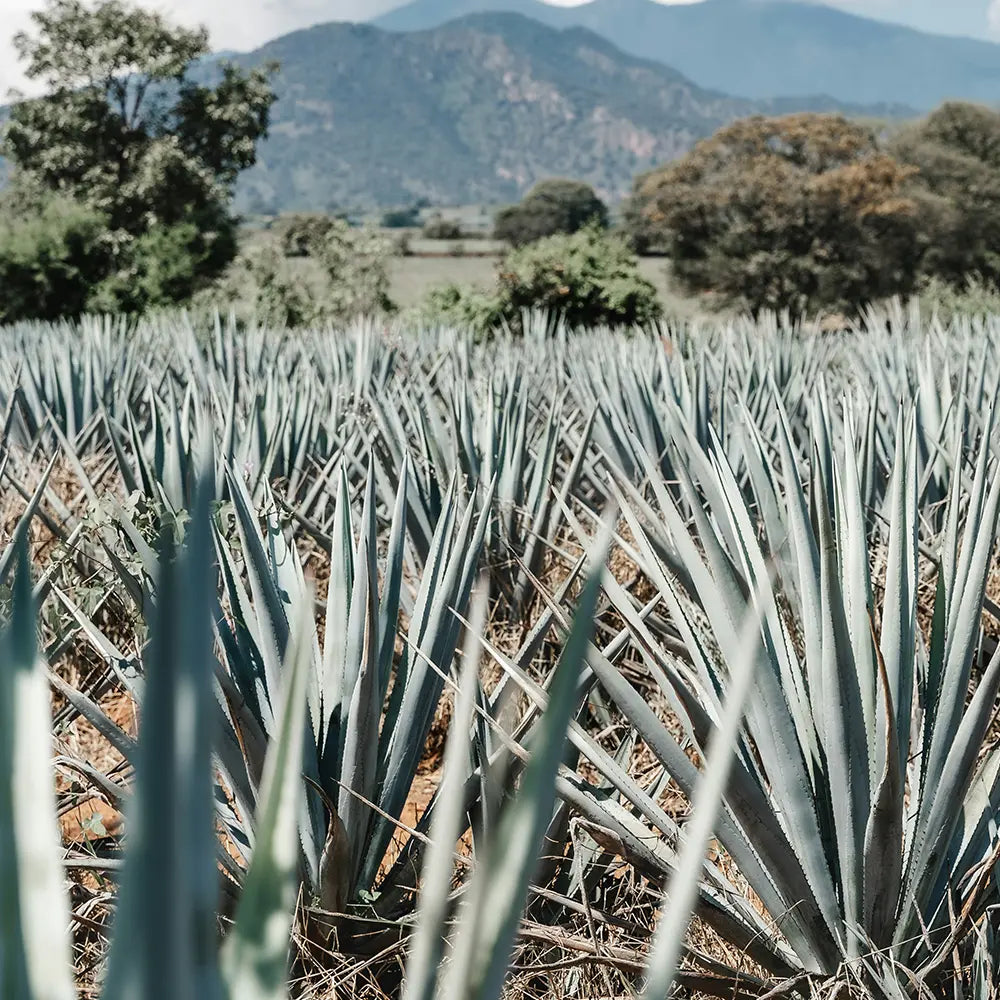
[(446, 101), (474, 111), (763, 48)]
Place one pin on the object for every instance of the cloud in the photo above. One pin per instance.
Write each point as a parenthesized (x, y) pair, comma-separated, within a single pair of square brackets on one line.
[(239, 26), (247, 25), (14, 16), (577, 3), (993, 18)]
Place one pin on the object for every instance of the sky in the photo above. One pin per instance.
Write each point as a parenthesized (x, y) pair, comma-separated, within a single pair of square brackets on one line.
[(245, 24)]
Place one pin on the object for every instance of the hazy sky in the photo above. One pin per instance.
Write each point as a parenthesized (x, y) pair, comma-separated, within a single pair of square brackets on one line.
[(243, 24)]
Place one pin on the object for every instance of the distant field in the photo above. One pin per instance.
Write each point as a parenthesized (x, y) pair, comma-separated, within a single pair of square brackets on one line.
[(473, 262), (468, 247), (411, 277)]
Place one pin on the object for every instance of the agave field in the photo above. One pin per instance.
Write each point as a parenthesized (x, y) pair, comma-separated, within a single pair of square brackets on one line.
[(388, 663)]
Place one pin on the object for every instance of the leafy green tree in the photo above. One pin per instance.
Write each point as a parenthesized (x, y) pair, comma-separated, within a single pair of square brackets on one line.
[(51, 258), (956, 153), (401, 218), (799, 213), (125, 129), (550, 207)]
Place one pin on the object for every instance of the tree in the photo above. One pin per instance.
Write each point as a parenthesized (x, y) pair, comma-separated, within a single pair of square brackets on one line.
[(126, 129), (401, 218), (956, 155), (970, 129), (550, 207), (643, 234), (797, 213)]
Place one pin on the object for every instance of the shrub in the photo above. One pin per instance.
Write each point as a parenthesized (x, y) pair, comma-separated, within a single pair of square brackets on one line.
[(551, 207), (163, 266), (173, 261), (51, 258), (355, 267), (301, 232), (586, 278), (276, 293), (59, 257), (439, 228), (950, 301), (642, 233), (402, 245), (350, 279), (462, 307), (799, 213)]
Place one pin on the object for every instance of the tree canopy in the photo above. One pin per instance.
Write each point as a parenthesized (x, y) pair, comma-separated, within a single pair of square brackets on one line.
[(138, 125), (955, 152), (549, 208), (799, 212), (813, 211)]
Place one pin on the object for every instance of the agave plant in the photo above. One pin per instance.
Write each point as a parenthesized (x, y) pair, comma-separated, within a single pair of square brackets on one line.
[(747, 489), (64, 375), (164, 931), (474, 959), (486, 431), (165, 925), (371, 707), (370, 712), (861, 809)]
